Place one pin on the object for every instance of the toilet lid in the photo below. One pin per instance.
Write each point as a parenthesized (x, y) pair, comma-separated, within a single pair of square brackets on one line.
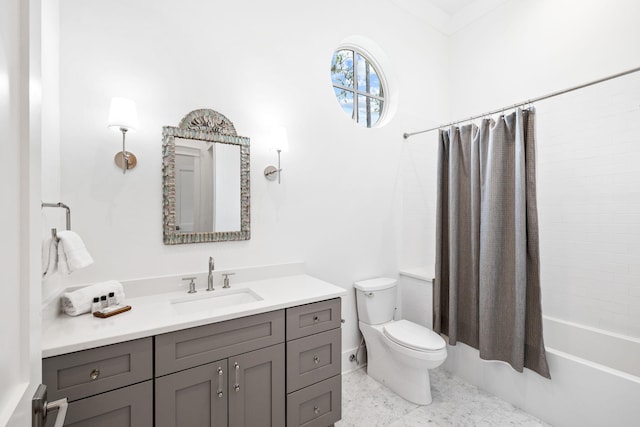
[(414, 336)]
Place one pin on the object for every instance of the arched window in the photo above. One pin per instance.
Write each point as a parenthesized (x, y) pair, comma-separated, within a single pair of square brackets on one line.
[(358, 86)]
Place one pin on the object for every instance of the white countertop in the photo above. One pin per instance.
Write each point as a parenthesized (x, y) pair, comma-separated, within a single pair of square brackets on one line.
[(153, 314)]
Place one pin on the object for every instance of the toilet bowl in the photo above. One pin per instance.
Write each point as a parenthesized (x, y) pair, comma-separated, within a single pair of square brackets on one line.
[(399, 352)]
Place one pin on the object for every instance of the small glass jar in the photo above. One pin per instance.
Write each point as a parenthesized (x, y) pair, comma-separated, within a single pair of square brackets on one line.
[(95, 305)]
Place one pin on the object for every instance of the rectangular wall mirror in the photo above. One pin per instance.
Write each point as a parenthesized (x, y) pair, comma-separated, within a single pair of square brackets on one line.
[(205, 180)]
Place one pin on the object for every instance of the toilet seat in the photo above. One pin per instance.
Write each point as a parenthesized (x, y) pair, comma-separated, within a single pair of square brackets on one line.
[(413, 336)]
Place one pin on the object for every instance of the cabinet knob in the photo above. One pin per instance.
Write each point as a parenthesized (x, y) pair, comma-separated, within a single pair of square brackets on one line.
[(236, 387), (316, 319), (316, 410), (316, 359), (220, 394), (94, 374)]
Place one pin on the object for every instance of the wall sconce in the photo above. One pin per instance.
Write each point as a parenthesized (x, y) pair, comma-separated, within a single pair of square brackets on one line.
[(278, 141), (124, 116)]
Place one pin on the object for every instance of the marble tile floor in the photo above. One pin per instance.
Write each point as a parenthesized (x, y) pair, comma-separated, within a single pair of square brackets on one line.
[(367, 403)]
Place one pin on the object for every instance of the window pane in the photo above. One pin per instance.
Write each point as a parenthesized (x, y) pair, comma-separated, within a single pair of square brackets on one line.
[(369, 110), (368, 80), (345, 98), (357, 85), (342, 68)]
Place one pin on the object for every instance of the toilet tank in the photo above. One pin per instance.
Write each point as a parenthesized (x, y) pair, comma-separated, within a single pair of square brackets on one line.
[(376, 300)]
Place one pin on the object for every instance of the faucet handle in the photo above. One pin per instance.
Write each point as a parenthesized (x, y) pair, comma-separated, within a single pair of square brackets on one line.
[(192, 284), (226, 279)]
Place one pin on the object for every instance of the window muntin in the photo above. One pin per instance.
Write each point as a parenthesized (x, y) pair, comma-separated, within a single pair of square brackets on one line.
[(357, 86)]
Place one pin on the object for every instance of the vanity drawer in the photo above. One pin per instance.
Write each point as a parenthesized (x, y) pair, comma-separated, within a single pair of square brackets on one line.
[(88, 372), (130, 406), (313, 358), (313, 318), (317, 405), (185, 349)]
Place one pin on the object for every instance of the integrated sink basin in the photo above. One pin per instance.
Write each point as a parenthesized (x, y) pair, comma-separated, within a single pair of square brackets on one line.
[(207, 301)]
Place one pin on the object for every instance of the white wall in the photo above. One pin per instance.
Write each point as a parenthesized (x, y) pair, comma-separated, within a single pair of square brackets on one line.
[(588, 149), (50, 165), (259, 63)]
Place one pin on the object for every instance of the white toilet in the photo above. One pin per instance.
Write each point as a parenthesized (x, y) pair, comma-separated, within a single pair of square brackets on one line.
[(399, 352)]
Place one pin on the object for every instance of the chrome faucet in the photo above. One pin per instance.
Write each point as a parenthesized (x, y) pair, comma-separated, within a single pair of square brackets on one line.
[(210, 278)]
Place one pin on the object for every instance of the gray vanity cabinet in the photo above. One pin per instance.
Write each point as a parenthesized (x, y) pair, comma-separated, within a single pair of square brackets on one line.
[(274, 369)]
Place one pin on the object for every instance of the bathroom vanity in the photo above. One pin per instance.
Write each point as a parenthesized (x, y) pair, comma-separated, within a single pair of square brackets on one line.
[(272, 362)]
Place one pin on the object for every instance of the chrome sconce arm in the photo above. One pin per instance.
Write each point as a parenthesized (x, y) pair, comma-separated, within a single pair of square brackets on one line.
[(124, 159), (279, 141), (124, 116)]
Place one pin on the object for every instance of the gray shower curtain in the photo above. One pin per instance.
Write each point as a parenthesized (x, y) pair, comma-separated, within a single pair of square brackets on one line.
[(487, 288)]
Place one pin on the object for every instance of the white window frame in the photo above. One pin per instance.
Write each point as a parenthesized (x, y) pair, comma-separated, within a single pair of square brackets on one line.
[(358, 50)]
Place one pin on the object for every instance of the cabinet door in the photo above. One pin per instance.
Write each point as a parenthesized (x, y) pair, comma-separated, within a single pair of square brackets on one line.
[(257, 388), (130, 406), (195, 397)]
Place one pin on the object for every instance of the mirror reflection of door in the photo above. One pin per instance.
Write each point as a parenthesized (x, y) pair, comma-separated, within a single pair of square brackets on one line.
[(227, 187), (207, 186), (185, 189)]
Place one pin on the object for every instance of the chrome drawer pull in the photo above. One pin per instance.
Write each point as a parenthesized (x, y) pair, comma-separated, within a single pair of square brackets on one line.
[(220, 373), (316, 319), (316, 410), (316, 359), (236, 387), (94, 374)]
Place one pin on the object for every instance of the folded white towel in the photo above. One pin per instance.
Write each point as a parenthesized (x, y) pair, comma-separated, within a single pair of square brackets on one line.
[(80, 300), (72, 254), (49, 254)]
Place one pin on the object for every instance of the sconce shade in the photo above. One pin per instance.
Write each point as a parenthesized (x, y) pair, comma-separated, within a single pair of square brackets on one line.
[(123, 114), (278, 139)]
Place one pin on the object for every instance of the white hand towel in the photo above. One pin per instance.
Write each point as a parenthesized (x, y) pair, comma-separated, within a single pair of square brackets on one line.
[(49, 253), (72, 254), (80, 300)]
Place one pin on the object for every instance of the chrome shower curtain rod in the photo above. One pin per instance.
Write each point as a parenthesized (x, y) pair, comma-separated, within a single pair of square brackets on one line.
[(529, 101)]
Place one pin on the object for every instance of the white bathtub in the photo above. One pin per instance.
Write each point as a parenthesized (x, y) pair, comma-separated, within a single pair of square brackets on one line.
[(595, 374), (608, 350)]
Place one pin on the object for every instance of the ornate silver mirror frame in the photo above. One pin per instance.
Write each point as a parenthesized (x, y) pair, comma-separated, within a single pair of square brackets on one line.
[(209, 126)]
